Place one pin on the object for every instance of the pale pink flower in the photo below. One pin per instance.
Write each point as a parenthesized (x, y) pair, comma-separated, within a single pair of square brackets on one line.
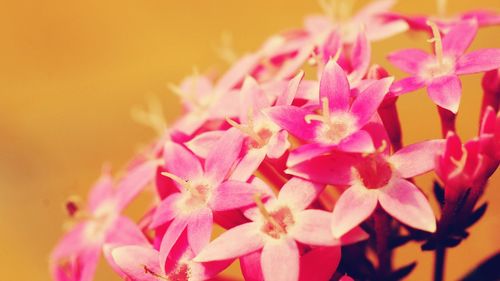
[(439, 72), (203, 189), (276, 228), (382, 178), (76, 256), (340, 122)]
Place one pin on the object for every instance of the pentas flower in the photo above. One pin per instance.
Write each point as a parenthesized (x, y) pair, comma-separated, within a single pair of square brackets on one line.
[(276, 228), (202, 190), (439, 72), (141, 263), (382, 178), (76, 256), (340, 122)]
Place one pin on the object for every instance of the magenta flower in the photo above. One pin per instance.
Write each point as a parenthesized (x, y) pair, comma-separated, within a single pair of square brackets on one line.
[(276, 228), (76, 256), (382, 178), (202, 190), (439, 72), (142, 263), (339, 124)]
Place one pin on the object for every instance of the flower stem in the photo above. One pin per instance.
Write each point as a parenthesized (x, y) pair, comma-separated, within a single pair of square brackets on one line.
[(384, 255), (447, 121), (440, 256)]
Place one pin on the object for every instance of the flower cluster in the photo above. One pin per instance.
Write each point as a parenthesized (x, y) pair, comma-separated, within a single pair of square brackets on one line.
[(297, 164)]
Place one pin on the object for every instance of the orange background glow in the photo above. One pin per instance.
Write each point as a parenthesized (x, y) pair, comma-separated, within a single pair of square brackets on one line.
[(71, 71)]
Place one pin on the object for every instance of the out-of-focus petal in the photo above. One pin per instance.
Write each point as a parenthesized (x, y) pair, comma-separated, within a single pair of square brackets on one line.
[(409, 60), (459, 38)]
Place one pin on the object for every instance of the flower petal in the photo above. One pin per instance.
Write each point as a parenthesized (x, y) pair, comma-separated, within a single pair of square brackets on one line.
[(278, 145), (181, 162), (409, 60), (478, 61), (203, 143), (406, 85), (280, 260), (102, 190), (355, 235), (166, 210), (307, 152), (354, 206), (233, 194), (292, 119), (291, 90), (360, 141), (319, 264), (445, 91), (360, 58), (313, 228), (126, 232), (223, 156), (247, 166), (405, 202), (250, 266), (237, 72), (200, 229), (459, 38), (171, 236), (134, 182), (418, 158), (137, 262), (299, 193), (367, 102), (335, 87), (229, 244)]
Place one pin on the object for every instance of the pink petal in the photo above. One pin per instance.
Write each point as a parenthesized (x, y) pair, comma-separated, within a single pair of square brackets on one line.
[(107, 249), (329, 169), (126, 232), (200, 229), (478, 61), (278, 145), (307, 152), (335, 87), (360, 58), (251, 97), (250, 266), (406, 85), (181, 162), (332, 45), (238, 71), (248, 164), (313, 228), (292, 119), (166, 210), (233, 194), (354, 206), (171, 236), (355, 235), (203, 143), (280, 260), (69, 245), (360, 141), (293, 85), (134, 182), (405, 202), (90, 260), (445, 91), (367, 102), (319, 264), (102, 190), (291, 66), (416, 159), (299, 193), (459, 38), (133, 261), (229, 244), (223, 156), (409, 60)]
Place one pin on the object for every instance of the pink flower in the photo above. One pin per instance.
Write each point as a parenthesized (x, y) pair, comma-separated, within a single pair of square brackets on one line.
[(440, 72), (142, 263), (202, 190), (76, 256), (381, 178), (276, 228), (339, 124)]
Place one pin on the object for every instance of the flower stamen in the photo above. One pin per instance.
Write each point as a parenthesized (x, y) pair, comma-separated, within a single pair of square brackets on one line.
[(265, 213), (149, 271), (325, 114), (249, 128), (438, 43), (182, 182)]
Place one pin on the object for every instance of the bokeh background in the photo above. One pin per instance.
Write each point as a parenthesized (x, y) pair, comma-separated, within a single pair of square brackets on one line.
[(71, 71)]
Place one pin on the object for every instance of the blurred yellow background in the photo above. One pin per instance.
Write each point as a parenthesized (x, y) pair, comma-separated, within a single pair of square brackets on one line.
[(70, 72)]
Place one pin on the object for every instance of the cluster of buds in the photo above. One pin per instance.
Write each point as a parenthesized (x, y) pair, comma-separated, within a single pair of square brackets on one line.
[(296, 152)]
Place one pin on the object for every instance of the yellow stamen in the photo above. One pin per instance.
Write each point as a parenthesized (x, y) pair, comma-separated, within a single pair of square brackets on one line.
[(379, 150), (182, 182), (152, 117), (325, 113), (460, 163), (265, 213), (438, 43), (249, 129), (225, 49)]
